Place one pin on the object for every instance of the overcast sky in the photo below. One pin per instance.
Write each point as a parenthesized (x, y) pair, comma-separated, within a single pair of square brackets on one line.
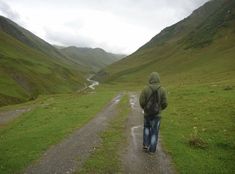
[(118, 26)]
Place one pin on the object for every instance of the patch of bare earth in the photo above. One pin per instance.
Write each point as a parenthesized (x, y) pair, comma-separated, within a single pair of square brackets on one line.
[(135, 160), (69, 155)]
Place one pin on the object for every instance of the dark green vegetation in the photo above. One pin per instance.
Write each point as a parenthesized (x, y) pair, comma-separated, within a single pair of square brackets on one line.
[(106, 158), (92, 59), (29, 66), (54, 117), (195, 59)]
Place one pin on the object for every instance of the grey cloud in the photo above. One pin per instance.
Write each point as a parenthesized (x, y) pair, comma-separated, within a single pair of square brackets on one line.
[(8, 12), (153, 15), (147, 12)]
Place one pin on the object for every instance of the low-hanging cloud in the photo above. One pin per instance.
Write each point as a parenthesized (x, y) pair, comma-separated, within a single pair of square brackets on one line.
[(67, 38)]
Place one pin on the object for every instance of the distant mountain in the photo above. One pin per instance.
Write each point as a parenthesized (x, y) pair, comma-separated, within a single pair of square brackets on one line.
[(93, 59), (58, 46), (200, 48)]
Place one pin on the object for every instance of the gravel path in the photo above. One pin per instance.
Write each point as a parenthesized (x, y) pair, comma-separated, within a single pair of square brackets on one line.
[(69, 155), (7, 116), (136, 161)]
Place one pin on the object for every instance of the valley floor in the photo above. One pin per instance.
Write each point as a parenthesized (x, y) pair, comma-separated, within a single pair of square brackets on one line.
[(64, 133), (74, 153)]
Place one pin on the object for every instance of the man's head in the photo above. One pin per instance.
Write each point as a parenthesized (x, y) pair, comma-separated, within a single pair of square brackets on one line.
[(154, 78)]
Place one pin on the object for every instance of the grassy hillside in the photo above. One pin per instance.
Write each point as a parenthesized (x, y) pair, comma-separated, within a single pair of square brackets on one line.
[(27, 71), (200, 48), (28, 38), (92, 59)]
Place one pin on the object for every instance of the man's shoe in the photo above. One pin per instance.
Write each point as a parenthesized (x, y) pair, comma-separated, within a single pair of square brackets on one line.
[(145, 148)]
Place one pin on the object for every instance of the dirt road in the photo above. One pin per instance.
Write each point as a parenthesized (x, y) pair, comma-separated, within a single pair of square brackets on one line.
[(7, 116), (135, 161), (69, 155)]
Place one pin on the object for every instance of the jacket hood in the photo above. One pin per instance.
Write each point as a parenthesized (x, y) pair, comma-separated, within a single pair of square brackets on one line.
[(154, 78)]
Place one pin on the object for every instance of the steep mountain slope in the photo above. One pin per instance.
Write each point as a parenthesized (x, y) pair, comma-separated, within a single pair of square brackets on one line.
[(200, 48), (27, 37), (30, 66), (93, 59)]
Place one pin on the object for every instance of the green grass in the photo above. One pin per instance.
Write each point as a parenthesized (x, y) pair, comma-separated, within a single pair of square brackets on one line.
[(106, 158), (55, 117), (198, 129)]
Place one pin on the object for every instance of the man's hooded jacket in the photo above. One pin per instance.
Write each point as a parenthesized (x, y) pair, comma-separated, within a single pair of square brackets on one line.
[(154, 83)]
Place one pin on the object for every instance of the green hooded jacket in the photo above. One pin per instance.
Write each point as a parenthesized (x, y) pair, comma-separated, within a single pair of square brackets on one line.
[(154, 83)]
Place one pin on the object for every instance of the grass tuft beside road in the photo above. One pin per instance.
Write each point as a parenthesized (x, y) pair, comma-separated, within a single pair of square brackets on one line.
[(105, 158)]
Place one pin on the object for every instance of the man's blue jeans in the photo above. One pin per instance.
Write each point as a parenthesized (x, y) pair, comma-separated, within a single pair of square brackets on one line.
[(150, 134)]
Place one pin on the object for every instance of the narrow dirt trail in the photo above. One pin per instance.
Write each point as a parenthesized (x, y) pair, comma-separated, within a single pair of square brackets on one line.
[(7, 116), (135, 161), (69, 155)]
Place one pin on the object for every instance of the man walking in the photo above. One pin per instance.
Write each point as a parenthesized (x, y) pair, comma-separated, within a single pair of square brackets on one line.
[(152, 100)]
